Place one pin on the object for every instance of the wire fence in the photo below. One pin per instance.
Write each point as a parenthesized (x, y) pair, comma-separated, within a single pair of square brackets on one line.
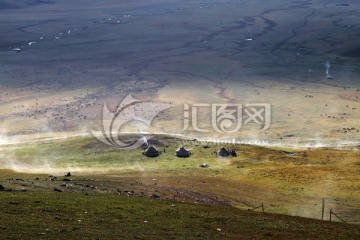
[(346, 214)]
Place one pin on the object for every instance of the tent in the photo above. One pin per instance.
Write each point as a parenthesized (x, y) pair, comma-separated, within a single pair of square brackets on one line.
[(151, 152), (223, 152), (182, 152), (233, 152)]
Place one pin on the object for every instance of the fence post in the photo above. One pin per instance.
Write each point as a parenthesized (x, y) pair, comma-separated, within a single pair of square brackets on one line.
[(262, 206), (323, 209), (330, 214)]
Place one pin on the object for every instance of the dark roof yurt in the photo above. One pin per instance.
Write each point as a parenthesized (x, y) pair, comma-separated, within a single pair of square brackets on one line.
[(151, 152), (233, 152), (223, 152), (182, 152)]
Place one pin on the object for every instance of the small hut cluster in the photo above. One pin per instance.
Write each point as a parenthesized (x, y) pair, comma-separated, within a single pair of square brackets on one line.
[(182, 152), (223, 152), (151, 151)]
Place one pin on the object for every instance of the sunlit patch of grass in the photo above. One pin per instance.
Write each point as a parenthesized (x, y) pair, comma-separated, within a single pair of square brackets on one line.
[(257, 175)]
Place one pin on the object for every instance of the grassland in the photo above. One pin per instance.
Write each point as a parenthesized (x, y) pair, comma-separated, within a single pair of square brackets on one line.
[(52, 215), (287, 182)]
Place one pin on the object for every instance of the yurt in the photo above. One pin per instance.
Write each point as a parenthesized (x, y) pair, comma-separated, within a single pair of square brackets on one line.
[(151, 152), (182, 152)]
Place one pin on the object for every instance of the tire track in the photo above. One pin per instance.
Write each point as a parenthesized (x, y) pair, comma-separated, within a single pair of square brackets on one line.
[(223, 92), (287, 39), (294, 31)]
